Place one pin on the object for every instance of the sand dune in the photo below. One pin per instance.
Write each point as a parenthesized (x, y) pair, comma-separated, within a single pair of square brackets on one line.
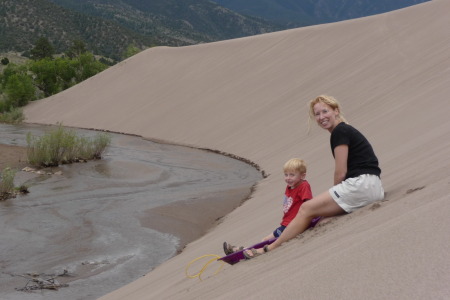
[(248, 97)]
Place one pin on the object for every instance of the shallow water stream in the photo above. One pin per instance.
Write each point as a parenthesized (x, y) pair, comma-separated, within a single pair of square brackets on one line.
[(96, 222)]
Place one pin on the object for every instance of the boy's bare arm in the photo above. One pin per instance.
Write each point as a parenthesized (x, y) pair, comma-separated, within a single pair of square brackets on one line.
[(269, 237)]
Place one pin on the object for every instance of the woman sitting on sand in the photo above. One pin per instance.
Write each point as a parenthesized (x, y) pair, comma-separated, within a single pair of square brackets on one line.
[(356, 176)]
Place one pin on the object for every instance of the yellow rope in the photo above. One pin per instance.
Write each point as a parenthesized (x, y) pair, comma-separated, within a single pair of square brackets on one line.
[(199, 274)]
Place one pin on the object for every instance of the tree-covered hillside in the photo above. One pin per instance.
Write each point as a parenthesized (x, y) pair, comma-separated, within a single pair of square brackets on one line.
[(108, 27), (23, 22), (192, 20), (294, 13)]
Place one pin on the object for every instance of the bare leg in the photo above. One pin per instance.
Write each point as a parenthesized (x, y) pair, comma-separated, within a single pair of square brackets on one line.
[(322, 205)]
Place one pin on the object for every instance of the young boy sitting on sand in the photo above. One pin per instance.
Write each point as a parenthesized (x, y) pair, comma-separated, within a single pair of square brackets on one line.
[(297, 191)]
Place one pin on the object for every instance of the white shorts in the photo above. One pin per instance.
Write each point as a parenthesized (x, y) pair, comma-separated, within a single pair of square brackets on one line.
[(357, 192)]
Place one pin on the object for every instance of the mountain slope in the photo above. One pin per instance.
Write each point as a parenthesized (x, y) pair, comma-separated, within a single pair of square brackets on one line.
[(109, 26), (200, 20), (295, 13), (23, 22)]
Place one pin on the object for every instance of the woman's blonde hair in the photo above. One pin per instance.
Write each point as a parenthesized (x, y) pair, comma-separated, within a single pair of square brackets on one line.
[(296, 165), (328, 100)]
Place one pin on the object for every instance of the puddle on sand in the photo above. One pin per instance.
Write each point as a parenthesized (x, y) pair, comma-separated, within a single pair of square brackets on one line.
[(95, 220)]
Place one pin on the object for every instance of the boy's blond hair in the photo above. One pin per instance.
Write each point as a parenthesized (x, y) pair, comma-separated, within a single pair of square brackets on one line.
[(296, 165)]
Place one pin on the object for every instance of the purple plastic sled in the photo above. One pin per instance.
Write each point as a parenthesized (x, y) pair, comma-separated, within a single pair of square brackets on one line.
[(239, 255)]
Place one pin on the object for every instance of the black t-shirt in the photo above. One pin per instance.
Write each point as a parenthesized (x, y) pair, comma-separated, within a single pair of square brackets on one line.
[(361, 157)]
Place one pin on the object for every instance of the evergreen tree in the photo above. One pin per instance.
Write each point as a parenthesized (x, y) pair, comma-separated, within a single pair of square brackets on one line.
[(78, 47), (42, 49)]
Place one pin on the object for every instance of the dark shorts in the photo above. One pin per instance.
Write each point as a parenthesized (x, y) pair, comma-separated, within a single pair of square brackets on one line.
[(278, 231)]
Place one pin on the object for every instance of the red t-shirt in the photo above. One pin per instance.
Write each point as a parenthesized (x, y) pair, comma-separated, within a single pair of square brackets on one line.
[(293, 199)]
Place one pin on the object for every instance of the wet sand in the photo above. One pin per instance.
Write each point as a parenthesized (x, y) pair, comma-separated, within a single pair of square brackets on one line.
[(12, 156), (105, 223)]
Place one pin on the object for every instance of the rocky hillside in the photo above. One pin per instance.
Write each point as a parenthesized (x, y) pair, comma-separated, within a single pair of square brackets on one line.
[(295, 13), (108, 27)]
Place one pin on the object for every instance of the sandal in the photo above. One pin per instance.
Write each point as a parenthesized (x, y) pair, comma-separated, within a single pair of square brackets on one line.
[(254, 252), (230, 249)]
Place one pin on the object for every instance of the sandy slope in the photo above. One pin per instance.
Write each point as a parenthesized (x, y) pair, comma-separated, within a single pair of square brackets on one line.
[(248, 97)]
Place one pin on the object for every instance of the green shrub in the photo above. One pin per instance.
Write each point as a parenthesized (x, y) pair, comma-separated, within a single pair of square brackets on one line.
[(93, 148), (14, 116), (98, 145), (19, 90), (36, 79), (7, 183), (63, 146), (4, 61)]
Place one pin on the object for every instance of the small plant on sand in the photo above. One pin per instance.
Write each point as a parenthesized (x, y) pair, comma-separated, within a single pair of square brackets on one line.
[(14, 116), (7, 183), (7, 188), (22, 189), (93, 148), (63, 146)]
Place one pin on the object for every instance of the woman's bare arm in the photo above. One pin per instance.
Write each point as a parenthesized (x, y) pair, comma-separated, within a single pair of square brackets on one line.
[(340, 157)]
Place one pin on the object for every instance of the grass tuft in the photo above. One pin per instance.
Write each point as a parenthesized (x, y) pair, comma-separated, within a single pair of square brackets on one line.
[(7, 183), (14, 116), (63, 146)]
